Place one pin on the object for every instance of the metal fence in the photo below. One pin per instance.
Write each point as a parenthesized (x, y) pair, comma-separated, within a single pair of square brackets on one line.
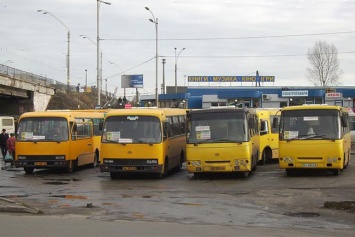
[(40, 80)]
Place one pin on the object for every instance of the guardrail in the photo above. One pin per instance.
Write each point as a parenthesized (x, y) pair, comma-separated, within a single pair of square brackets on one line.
[(40, 80)]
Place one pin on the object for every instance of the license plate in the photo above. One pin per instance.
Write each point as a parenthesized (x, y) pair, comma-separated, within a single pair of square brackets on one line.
[(219, 168), (309, 165), (129, 168), (40, 163)]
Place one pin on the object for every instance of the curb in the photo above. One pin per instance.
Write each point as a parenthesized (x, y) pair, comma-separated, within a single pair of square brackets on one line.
[(9, 205)]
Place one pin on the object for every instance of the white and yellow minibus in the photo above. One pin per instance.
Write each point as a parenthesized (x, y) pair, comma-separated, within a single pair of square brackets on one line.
[(314, 137), (149, 140), (222, 139), (7, 123)]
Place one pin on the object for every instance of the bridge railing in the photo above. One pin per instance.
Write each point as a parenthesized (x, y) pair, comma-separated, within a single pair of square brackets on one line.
[(39, 80)]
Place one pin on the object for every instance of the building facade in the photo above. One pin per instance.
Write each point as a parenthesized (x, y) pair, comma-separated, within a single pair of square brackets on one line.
[(257, 97)]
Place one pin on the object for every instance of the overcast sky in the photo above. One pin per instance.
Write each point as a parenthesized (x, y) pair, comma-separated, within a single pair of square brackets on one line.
[(221, 37)]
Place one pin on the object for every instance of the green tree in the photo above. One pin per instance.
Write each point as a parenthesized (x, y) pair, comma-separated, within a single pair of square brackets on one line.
[(324, 67)]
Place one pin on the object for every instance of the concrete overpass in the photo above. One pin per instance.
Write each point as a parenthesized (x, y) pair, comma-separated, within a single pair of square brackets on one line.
[(21, 91)]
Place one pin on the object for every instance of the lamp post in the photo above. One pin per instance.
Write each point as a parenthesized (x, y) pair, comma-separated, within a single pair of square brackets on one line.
[(155, 21), (176, 59), (99, 79), (106, 88), (86, 37), (113, 63), (163, 61), (7, 61), (86, 80), (68, 53)]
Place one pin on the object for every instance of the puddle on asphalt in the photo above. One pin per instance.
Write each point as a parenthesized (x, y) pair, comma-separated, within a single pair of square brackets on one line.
[(302, 214), (188, 204), (15, 196), (63, 180), (138, 215), (3, 186), (125, 196), (56, 183), (344, 205), (70, 196)]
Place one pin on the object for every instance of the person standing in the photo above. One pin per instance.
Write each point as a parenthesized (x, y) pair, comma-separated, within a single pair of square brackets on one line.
[(3, 142), (11, 146)]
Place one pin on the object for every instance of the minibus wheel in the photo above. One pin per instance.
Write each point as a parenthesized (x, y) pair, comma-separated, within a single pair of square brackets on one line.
[(115, 175), (181, 161), (70, 168), (28, 170), (94, 164), (245, 174), (263, 158), (336, 172), (166, 166), (165, 171), (290, 172)]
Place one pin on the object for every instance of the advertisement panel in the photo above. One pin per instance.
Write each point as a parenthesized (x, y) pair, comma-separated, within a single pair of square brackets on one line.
[(231, 78), (132, 81)]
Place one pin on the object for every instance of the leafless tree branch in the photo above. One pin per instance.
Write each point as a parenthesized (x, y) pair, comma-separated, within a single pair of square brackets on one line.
[(324, 69)]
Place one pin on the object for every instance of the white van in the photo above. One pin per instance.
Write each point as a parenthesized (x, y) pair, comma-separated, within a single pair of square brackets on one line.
[(7, 123)]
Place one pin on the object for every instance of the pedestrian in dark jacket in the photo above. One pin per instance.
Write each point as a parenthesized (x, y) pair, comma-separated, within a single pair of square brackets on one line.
[(3, 142)]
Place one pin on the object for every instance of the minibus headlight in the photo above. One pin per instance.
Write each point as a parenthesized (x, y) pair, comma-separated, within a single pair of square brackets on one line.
[(242, 162), (288, 159), (21, 157), (331, 159), (236, 163), (196, 163)]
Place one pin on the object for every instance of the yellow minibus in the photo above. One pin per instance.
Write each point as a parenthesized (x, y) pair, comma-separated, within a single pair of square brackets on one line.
[(222, 139), (96, 117), (269, 134), (137, 140), (54, 139), (352, 131), (314, 137)]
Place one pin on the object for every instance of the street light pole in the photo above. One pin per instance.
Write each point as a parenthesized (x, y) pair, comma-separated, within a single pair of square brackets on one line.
[(7, 61), (86, 80), (163, 75), (68, 53), (176, 59), (98, 51), (155, 21)]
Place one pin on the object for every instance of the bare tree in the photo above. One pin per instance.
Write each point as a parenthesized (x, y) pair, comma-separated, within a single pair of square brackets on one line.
[(324, 69)]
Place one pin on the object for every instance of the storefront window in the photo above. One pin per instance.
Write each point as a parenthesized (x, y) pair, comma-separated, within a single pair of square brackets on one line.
[(318, 100)]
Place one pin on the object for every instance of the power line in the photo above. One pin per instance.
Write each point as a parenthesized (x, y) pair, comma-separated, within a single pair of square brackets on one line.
[(251, 56), (129, 68), (240, 38)]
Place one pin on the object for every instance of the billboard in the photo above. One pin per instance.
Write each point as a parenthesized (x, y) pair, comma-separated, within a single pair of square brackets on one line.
[(132, 81), (231, 78)]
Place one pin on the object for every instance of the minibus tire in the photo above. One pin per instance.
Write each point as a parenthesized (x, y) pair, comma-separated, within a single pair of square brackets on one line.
[(179, 167), (29, 170), (245, 174), (115, 175), (94, 164), (336, 172), (290, 172)]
